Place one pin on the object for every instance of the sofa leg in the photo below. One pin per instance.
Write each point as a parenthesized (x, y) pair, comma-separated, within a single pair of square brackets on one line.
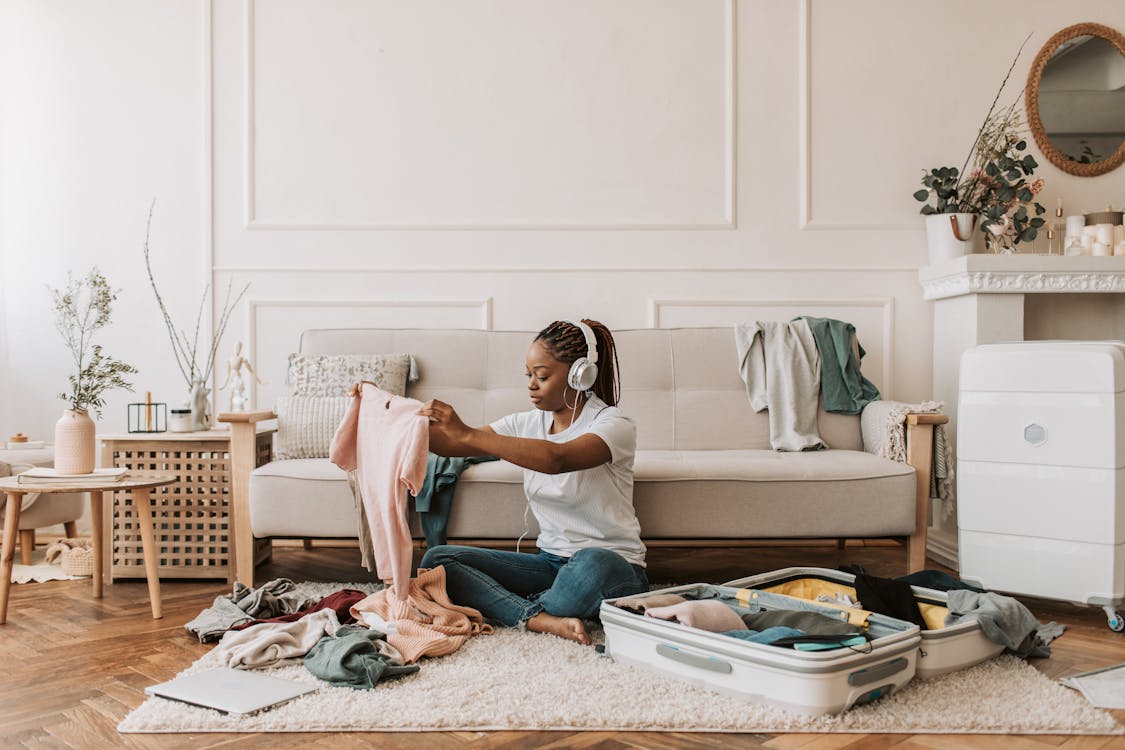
[(71, 529), (841, 544), (306, 543)]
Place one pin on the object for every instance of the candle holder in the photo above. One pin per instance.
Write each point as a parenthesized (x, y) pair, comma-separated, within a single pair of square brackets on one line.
[(148, 417)]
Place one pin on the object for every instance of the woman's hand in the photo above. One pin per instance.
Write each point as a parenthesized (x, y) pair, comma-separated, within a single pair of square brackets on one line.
[(443, 418), (446, 428)]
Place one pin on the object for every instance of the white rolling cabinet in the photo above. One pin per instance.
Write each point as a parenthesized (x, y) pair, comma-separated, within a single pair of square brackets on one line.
[(1041, 470)]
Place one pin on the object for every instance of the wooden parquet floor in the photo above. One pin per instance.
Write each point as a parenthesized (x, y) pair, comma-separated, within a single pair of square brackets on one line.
[(71, 667)]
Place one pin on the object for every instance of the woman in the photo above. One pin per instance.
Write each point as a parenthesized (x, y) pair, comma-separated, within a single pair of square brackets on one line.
[(576, 449)]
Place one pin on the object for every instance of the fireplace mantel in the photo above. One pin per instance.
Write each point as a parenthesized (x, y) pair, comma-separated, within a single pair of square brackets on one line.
[(987, 299), (1023, 274)]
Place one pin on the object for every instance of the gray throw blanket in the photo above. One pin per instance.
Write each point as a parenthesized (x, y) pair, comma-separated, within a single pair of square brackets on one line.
[(1003, 620), (780, 366)]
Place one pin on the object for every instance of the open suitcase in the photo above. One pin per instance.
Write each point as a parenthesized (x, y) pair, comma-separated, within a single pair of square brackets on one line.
[(943, 649), (808, 682)]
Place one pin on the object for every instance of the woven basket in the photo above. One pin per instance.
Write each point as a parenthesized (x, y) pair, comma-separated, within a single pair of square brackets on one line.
[(78, 561)]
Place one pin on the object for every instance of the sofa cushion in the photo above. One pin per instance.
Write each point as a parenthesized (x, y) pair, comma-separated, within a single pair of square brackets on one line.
[(301, 497), (306, 424), (750, 494), (335, 374), (762, 494)]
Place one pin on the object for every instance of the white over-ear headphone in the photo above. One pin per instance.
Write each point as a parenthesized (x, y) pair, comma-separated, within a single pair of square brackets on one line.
[(584, 372)]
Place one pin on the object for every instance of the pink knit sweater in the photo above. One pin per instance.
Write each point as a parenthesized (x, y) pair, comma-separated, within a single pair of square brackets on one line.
[(426, 623), (386, 442)]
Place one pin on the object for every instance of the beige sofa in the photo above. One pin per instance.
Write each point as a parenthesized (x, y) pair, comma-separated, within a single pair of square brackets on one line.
[(704, 467)]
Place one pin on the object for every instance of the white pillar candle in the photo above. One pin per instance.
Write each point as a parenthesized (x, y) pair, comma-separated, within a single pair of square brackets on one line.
[(1103, 233), (1074, 225), (1119, 248), (1119, 234), (1088, 237), (1100, 248)]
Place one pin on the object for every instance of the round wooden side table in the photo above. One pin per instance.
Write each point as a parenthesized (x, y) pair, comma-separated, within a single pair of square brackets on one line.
[(136, 483)]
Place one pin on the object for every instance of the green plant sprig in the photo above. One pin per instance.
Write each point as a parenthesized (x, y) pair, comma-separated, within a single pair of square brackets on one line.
[(82, 307)]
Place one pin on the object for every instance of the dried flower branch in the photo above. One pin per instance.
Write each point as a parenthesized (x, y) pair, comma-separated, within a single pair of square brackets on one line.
[(82, 307), (997, 187), (187, 350)]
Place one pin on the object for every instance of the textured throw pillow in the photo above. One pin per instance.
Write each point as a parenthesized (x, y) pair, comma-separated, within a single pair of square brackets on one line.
[(334, 374), (306, 424)]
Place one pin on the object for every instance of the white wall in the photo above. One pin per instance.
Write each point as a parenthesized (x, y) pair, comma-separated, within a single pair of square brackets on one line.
[(503, 163)]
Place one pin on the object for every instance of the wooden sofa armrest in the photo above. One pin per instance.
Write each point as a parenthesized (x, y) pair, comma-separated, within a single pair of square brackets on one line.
[(243, 461), (920, 455)]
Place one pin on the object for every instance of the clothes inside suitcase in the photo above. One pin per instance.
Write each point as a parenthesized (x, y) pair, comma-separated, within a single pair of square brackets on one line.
[(943, 648), (809, 682)]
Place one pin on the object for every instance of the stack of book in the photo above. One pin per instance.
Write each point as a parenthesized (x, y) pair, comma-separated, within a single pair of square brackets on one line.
[(43, 476)]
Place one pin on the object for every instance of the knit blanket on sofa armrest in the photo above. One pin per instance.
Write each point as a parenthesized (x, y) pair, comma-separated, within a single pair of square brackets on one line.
[(883, 424)]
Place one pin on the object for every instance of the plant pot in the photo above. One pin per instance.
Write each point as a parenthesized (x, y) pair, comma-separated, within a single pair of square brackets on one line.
[(74, 443), (951, 236)]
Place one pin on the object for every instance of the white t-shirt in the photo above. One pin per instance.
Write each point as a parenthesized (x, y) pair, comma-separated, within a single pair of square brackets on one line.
[(587, 508)]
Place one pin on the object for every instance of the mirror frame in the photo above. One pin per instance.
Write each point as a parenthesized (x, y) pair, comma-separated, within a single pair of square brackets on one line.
[(1031, 101)]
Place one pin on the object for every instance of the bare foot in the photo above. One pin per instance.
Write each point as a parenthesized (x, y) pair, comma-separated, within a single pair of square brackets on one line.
[(571, 628)]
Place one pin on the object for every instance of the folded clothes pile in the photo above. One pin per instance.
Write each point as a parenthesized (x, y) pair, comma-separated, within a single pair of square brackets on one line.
[(800, 630)]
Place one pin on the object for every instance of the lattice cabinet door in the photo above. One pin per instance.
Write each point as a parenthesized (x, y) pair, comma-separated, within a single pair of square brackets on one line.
[(192, 517)]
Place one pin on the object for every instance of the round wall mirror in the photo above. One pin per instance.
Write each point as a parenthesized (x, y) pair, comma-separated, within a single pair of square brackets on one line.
[(1076, 99)]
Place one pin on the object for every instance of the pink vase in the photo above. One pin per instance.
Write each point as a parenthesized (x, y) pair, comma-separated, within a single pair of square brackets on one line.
[(74, 443)]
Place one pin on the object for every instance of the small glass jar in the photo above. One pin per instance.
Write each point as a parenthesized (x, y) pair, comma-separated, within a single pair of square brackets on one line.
[(179, 420)]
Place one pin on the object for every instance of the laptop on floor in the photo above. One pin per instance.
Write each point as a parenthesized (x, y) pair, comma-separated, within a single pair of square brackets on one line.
[(231, 691)]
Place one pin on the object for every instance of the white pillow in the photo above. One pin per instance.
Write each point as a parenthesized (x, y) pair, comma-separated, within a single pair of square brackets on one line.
[(306, 424), (334, 374)]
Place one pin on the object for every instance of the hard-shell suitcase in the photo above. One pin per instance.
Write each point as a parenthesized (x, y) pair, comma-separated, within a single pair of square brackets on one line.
[(808, 682), (942, 649)]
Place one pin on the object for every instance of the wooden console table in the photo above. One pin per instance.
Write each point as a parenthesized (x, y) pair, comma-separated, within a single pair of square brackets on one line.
[(194, 536)]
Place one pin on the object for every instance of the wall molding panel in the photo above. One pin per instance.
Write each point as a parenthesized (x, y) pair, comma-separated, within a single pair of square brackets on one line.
[(805, 146), (571, 269), (677, 181)]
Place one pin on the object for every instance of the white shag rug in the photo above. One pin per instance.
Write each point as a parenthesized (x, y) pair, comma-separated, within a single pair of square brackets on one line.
[(525, 681)]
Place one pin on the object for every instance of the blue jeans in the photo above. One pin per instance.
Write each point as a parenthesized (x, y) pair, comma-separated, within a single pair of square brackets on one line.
[(512, 587)]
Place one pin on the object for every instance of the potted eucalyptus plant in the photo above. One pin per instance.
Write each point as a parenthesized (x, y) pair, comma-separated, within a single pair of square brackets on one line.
[(82, 307), (993, 196)]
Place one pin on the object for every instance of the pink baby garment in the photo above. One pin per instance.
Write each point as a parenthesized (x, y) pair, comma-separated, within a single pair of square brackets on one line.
[(386, 442), (706, 614)]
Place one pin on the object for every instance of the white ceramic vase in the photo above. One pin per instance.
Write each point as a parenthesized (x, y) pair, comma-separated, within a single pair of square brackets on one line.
[(200, 406), (74, 443), (951, 235)]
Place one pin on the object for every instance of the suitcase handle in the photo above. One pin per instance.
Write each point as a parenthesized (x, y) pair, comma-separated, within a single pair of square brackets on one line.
[(878, 672), (702, 661)]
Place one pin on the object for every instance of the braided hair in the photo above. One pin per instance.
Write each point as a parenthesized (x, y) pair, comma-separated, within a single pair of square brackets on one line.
[(565, 341)]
